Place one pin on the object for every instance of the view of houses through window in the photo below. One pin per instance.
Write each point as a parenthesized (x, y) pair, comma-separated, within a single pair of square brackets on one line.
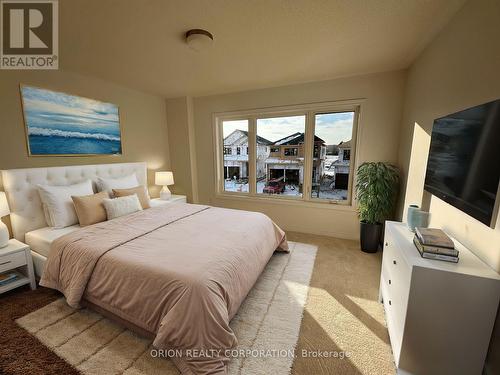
[(235, 155), (282, 168), (280, 155), (331, 155)]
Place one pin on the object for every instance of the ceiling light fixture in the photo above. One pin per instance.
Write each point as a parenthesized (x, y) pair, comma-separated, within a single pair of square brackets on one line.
[(199, 39)]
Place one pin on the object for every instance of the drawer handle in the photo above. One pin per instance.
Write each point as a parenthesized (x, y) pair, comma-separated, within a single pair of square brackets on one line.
[(9, 261), (394, 262), (390, 303), (390, 282), (387, 244)]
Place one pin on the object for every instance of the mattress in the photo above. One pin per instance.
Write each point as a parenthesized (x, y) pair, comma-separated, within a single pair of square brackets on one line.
[(40, 240)]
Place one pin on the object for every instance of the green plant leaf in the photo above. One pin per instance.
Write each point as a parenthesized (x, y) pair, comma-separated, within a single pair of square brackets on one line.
[(377, 186)]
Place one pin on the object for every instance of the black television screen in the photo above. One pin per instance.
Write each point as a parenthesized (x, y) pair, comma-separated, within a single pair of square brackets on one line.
[(463, 167)]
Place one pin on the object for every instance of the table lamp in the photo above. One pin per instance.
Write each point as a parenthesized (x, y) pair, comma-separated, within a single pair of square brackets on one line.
[(164, 179)]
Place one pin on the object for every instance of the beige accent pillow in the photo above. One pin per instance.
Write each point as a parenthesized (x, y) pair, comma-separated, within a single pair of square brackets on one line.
[(121, 206), (139, 190), (89, 208)]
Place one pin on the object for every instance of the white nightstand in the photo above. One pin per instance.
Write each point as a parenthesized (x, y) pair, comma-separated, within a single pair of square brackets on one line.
[(16, 256), (174, 199)]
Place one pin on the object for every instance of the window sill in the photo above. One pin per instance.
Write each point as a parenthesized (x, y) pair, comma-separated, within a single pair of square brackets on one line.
[(329, 205)]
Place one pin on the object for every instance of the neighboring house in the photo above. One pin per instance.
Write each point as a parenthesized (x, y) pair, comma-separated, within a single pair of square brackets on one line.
[(342, 165), (286, 159), (236, 155)]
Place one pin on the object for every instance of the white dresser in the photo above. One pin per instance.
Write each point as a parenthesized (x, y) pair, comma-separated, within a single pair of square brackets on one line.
[(440, 315)]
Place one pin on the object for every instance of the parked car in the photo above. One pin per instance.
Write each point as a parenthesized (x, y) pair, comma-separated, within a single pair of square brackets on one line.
[(275, 186)]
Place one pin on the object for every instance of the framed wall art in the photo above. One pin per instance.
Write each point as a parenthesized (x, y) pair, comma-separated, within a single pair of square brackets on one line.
[(60, 124)]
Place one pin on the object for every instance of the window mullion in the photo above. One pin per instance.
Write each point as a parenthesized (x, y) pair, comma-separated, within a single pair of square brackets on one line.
[(308, 160), (352, 158), (219, 156), (252, 159)]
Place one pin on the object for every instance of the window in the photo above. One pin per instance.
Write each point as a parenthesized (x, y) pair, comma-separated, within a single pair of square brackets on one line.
[(332, 135), (299, 152), (235, 166), (277, 174), (346, 155)]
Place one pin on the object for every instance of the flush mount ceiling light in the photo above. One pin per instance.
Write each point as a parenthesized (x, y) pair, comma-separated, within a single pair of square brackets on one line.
[(199, 39)]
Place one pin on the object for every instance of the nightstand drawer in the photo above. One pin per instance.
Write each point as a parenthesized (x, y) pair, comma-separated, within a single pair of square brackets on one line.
[(11, 261), (173, 200)]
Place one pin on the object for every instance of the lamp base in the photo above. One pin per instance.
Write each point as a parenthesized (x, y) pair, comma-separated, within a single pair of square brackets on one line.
[(4, 234), (165, 193)]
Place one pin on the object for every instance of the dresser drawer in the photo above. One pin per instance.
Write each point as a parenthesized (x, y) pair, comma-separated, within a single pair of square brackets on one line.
[(10, 261), (395, 284), (398, 296), (394, 318), (395, 267)]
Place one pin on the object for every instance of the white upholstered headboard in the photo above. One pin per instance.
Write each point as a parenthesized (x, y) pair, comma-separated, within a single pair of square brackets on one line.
[(24, 201)]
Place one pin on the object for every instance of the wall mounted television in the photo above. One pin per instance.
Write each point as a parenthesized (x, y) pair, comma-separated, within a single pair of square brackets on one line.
[(463, 167)]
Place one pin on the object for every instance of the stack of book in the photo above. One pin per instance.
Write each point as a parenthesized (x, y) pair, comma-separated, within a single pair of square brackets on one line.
[(8, 277), (435, 244)]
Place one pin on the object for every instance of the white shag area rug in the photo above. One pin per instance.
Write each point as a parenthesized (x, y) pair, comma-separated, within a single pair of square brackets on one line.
[(267, 327)]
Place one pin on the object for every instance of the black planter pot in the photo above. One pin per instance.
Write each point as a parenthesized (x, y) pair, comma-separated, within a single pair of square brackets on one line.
[(370, 237)]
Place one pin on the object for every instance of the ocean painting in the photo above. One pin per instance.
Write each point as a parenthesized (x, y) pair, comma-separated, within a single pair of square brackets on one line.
[(63, 124)]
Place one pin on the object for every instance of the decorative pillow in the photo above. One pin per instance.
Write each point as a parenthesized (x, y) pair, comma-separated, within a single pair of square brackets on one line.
[(121, 206), (141, 192), (58, 206), (90, 209), (108, 184)]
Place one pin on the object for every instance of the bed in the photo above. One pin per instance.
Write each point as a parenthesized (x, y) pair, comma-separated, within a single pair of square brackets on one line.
[(176, 272)]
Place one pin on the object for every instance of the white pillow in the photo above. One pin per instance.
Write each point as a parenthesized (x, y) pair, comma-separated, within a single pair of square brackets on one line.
[(121, 206), (57, 203), (108, 184)]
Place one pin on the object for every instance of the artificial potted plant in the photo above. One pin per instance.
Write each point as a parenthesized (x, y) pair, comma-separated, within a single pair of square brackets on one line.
[(377, 186)]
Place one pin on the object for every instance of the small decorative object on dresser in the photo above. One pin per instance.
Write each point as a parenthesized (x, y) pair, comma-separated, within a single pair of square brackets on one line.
[(16, 266), (173, 199), (4, 211), (422, 219), (411, 216), (164, 179), (417, 217), (440, 315)]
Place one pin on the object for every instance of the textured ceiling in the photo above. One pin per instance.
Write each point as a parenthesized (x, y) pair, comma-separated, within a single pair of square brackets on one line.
[(258, 43)]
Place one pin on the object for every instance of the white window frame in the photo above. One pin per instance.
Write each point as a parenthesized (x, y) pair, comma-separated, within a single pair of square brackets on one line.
[(310, 111)]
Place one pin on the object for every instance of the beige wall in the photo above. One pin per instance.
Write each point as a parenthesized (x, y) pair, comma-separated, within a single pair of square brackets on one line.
[(183, 156), (459, 69), (378, 134), (142, 116)]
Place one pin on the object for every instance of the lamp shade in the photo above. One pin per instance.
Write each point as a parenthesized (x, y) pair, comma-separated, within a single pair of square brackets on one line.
[(4, 206), (164, 178)]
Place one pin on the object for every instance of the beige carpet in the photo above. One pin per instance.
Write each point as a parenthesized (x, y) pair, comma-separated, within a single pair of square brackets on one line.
[(342, 313), (269, 319)]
